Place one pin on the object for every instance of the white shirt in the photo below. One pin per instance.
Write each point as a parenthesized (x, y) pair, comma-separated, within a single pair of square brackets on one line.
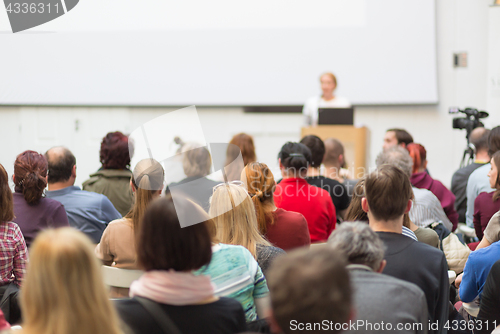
[(310, 110), (427, 209)]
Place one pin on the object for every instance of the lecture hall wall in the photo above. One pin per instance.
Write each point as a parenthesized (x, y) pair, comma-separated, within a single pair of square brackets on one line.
[(462, 26)]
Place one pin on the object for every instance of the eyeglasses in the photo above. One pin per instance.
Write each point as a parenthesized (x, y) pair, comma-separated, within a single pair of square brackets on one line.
[(236, 183)]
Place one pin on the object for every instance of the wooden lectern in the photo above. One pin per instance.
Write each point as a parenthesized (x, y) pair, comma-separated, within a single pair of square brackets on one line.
[(354, 140)]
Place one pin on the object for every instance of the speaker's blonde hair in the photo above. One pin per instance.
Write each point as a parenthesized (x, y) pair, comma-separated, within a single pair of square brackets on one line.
[(64, 291), (235, 219)]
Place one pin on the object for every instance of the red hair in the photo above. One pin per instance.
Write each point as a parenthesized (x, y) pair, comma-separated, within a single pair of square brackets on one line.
[(114, 152), (418, 154), (30, 170)]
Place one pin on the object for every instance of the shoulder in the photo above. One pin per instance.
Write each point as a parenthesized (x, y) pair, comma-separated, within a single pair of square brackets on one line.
[(288, 216), (50, 202), (93, 179), (479, 173), (120, 223)]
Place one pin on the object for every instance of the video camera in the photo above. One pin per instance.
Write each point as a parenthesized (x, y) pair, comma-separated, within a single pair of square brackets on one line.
[(469, 123)]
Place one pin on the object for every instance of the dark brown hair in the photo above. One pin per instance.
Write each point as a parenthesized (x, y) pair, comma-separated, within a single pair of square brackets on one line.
[(61, 162), (114, 153), (402, 136), (317, 147), (30, 170), (495, 159), (494, 141), (387, 191), (245, 143), (163, 244), (355, 211), (6, 200), (261, 185), (310, 286)]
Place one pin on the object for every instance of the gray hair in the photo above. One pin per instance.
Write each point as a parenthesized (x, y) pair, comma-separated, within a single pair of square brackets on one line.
[(397, 157), (359, 243)]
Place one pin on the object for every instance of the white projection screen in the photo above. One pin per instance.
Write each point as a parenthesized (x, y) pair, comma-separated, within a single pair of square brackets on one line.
[(222, 53)]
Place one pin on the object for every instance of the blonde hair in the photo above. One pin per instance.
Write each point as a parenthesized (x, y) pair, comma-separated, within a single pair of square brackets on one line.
[(64, 291), (196, 160), (261, 185), (147, 179), (236, 225), (331, 75)]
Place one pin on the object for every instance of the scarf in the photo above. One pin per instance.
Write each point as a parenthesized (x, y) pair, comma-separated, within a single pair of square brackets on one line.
[(172, 287)]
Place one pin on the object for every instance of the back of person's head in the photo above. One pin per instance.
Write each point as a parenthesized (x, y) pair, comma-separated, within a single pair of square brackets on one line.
[(234, 216), (114, 153), (333, 150), (398, 157), (495, 160), (6, 200), (402, 136), (247, 148), (164, 245), (295, 157), (196, 160), (418, 154), (387, 191), (147, 179), (479, 138), (360, 243), (60, 161), (30, 170), (355, 210), (317, 147), (494, 141), (261, 185), (64, 291), (310, 286)]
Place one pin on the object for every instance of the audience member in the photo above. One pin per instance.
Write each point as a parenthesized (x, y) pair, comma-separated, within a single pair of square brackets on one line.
[(388, 194), (13, 247), (422, 180), (309, 288), (169, 253), (247, 148), (378, 297), (491, 233), (293, 193), (487, 204), (396, 137), (355, 213), (87, 211), (113, 178), (337, 191), (426, 208), (489, 311), (478, 138), (32, 211), (284, 229), (117, 246), (334, 162), (477, 267), (64, 290), (478, 181), (236, 223), (196, 162)]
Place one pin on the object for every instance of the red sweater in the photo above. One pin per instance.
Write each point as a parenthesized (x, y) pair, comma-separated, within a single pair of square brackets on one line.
[(314, 203)]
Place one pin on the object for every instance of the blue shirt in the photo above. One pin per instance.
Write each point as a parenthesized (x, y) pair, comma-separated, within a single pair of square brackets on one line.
[(87, 211), (476, 271), (478, 182)]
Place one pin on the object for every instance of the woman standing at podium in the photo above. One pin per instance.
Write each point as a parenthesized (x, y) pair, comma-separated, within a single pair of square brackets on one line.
[(327, 100)]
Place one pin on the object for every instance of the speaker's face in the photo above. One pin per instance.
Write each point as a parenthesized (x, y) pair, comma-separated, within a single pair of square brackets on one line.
[(327, 85)]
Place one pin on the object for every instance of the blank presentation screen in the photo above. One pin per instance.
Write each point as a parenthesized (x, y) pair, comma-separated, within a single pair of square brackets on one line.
[(222, 53)]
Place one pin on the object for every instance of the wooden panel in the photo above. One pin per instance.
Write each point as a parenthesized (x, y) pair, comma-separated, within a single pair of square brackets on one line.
[(354, 140)]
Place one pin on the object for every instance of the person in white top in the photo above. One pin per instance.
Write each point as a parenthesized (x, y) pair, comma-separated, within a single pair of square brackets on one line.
[(327, 100)]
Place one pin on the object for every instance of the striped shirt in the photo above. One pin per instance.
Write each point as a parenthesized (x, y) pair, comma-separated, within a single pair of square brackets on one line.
[(235, 274), (409, 233), (13, 254), (427, 209)]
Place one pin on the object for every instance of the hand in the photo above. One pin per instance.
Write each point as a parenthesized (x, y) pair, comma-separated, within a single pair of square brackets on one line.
[(458, 280)]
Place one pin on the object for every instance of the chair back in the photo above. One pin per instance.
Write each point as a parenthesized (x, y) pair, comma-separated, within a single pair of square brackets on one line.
[(120, 278)]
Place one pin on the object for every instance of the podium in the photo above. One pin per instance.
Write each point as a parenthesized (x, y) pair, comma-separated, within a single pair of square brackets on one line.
[(354, 140)]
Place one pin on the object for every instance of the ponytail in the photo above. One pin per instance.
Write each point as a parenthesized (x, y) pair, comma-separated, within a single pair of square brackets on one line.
[(30, 170), (32, 187), (418, 154)]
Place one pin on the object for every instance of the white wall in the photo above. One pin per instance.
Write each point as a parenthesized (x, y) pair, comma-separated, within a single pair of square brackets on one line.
[(462, 26)]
